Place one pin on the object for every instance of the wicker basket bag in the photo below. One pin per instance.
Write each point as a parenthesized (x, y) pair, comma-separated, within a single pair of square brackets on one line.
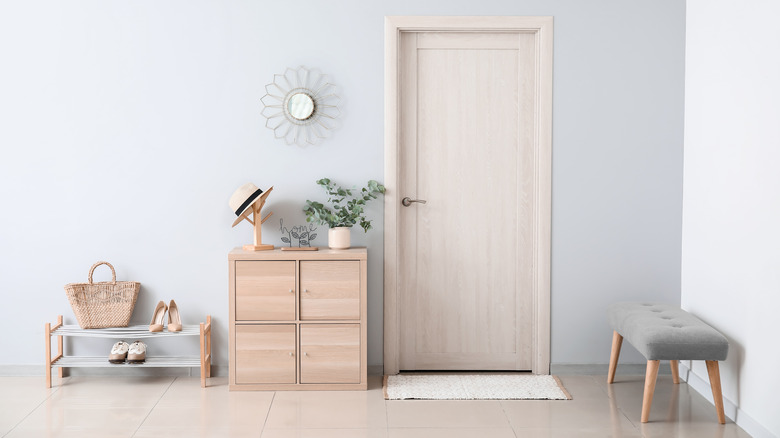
[(103, 304)]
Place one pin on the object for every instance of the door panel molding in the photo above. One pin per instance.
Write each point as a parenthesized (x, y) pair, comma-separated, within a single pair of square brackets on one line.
[(542, 29)]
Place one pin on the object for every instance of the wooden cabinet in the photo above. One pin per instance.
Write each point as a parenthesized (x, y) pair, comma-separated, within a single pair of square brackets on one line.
[(298, 319)]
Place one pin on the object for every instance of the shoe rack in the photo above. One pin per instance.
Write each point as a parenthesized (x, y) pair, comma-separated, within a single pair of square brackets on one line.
[(61, 361)]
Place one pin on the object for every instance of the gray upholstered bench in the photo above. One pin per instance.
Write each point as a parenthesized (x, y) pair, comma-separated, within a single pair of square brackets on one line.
[(664, 332)]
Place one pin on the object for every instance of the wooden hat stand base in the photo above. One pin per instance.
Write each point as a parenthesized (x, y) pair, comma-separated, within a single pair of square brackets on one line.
[(263, 247), (257, 223)]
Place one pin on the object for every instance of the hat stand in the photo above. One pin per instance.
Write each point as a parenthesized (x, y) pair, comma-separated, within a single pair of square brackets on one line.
[(257, 222)]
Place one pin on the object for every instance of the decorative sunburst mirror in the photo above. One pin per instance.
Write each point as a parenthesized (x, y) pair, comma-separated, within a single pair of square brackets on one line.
[(301, 106)]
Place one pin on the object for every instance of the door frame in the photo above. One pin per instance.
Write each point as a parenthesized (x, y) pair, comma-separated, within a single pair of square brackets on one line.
[(542, 28)]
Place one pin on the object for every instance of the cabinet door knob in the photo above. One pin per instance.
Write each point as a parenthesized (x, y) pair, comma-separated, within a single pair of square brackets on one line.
[(291, 355), (291, 291), (306, 354), (306, 290)]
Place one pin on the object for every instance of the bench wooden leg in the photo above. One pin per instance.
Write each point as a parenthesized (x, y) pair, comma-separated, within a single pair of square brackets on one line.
[(650, 375), (717, 395), (675, 370), (617, 341)]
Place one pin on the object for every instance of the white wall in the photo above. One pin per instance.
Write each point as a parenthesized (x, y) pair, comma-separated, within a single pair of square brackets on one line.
[(731, 208), (126, 125)]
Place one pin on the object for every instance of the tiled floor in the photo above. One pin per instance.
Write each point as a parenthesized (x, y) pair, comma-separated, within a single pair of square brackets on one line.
[(177, 407)]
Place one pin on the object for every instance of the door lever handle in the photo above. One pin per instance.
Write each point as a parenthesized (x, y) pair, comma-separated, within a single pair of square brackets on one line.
[(407, 201)]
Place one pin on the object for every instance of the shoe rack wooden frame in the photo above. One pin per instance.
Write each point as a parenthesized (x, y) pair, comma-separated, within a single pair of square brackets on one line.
[(60, 361)]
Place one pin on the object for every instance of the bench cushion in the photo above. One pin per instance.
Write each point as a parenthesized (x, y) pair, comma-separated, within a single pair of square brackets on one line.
[(664, 332)]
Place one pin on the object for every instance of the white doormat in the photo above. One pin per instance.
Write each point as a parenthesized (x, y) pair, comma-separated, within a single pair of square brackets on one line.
[(474, 387)]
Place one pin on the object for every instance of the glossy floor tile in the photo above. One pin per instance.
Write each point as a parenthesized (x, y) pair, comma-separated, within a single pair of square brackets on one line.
[(446, 413), (450, 432), (327, 410), (188, 407), (19, 397), (146, 407), (325, 433)]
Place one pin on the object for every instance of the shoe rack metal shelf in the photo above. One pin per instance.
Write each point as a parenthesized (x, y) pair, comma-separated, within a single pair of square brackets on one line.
[(60, 361)]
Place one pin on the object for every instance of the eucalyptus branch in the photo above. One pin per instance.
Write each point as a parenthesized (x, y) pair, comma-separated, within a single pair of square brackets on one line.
[(341, 214)]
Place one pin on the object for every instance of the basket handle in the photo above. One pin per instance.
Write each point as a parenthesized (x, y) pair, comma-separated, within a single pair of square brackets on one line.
[(113, 272)]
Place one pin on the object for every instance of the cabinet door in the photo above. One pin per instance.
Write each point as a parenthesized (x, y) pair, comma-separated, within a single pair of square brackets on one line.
[(265, 290), (265, 353), (330, 353), (330, 290)]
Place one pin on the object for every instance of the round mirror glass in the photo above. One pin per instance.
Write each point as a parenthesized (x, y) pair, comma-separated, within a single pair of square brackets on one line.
[(300, 106)]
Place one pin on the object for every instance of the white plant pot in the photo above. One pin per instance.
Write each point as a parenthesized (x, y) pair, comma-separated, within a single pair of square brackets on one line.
[(338, 238)]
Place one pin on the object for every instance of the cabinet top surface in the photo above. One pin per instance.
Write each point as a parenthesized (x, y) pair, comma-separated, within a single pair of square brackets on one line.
[(357, 253)]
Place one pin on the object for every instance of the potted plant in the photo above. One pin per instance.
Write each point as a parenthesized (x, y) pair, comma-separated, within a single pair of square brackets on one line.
[(345, 210)]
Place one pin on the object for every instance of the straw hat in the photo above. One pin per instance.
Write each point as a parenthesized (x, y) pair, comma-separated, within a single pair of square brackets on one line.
[(242, 199)]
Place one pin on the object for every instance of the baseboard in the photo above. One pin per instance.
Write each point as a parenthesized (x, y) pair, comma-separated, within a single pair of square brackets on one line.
[(575, 369), (39, 370), (21, 370), (627, 369), (216, 371), (737, 415)]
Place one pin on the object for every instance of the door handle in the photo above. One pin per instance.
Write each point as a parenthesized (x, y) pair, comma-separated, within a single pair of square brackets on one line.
[(407, 201)]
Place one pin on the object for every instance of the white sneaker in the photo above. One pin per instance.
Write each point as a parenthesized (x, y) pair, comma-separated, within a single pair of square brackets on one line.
[(136, 352), (119, 352)]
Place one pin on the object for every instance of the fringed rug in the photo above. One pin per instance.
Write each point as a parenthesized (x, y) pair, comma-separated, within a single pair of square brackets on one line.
[(474, 387)]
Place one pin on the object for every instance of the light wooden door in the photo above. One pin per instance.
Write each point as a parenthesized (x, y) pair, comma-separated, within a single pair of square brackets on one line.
[(465, 261), (265, 290), (265, 353), (330, 289), (330, 353)]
